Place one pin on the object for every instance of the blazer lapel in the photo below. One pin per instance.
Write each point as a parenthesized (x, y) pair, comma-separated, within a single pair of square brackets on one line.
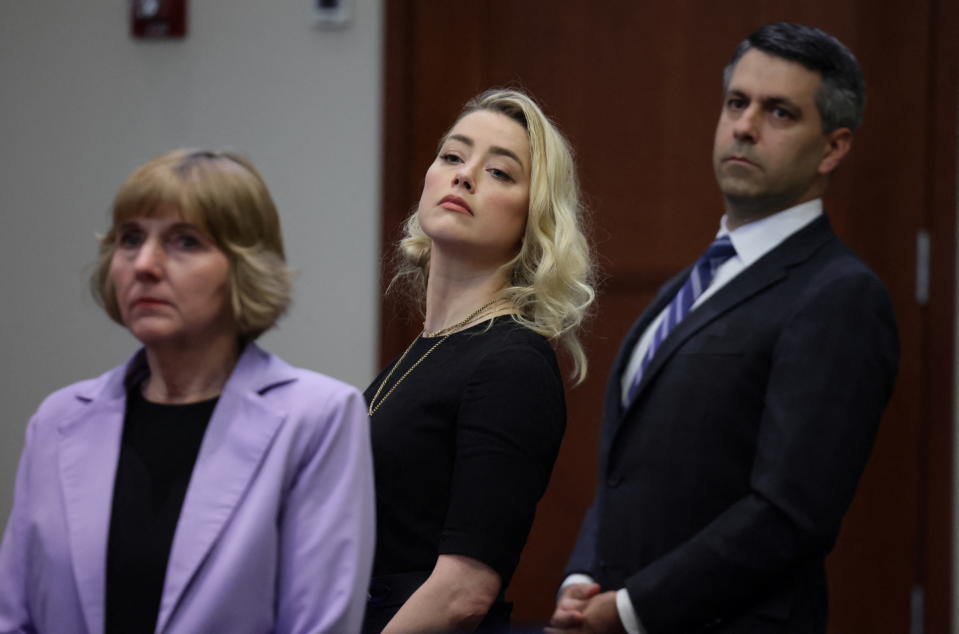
[(88, 453), (762, 274), (238, 436)]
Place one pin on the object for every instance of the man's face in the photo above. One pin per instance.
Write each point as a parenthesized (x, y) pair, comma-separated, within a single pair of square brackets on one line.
[(770, 152)]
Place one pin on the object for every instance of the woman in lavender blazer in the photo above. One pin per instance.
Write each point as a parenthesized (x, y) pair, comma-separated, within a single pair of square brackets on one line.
[(205, 485)]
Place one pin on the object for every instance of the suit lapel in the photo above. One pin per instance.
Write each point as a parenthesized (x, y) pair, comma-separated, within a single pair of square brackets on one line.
[(765, 272), (642, 323), (239, 434), (748, 283), (87, 462), (614, 400)]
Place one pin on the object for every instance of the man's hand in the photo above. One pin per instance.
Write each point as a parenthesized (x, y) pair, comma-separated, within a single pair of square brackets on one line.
[(572, 602), (602, 616), (581, 610)]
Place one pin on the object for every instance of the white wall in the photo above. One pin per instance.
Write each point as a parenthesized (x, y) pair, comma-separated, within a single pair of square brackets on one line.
[(82, 104)]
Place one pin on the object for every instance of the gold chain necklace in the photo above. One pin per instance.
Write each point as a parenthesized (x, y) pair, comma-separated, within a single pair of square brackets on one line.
[(448, 331)]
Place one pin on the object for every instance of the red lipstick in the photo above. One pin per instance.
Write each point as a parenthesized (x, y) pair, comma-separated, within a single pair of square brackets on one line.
[(455, 203)]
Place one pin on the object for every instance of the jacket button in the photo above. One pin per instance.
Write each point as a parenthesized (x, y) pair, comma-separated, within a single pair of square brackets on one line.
[(614, 481)]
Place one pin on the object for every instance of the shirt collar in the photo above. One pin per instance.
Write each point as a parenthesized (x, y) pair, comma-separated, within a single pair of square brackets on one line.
[(755, 239)]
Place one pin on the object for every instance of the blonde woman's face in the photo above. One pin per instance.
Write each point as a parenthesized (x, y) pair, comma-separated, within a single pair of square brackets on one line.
[(171, 281), (476, 192)]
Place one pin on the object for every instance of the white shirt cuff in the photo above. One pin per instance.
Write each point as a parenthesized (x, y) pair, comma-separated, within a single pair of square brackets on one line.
[(576, 577), (627, 614)]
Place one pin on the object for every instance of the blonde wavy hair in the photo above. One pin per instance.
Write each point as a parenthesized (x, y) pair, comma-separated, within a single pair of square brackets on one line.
[(551, 278), (224, 196)]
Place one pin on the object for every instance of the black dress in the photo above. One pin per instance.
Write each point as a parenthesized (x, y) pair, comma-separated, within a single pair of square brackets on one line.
[(463, 449)]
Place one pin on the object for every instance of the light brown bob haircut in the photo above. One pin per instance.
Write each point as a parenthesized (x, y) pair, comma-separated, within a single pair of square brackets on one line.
[(223, 195)]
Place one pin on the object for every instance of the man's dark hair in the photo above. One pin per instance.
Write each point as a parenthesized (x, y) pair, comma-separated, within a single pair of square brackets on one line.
[(842, 96)]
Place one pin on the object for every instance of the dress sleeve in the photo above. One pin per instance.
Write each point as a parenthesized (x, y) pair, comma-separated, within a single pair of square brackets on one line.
[(509, 428), (327, 526)]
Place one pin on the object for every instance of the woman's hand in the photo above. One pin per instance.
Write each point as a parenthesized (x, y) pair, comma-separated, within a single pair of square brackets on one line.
[(455, 598)]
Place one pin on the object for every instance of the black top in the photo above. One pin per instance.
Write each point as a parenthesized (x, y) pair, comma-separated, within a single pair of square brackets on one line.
[(464, 447), (158, 449)]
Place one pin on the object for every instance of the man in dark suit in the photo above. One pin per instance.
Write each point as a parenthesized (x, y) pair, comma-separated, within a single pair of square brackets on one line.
[(744, 402)]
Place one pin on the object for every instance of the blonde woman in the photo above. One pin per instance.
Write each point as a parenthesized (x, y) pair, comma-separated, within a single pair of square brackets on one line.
[(204, 485), (467, 422)]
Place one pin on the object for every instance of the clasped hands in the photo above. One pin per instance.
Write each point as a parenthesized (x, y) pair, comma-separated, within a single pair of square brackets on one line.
[(583, 609)]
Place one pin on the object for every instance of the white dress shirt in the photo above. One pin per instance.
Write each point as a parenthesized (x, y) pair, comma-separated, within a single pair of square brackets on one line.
[(751, 241)]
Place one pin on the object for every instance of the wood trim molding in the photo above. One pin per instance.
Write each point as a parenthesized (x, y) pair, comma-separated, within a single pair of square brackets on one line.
[(397, 147), (940, 318)]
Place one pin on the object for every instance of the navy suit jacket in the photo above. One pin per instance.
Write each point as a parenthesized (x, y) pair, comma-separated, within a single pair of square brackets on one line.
[(723, 484)]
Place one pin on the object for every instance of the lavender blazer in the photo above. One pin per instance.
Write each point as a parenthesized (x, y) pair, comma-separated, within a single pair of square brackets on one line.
[(277, 527)]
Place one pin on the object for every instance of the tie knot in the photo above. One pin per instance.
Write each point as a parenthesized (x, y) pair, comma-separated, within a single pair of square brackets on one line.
[(721, 247), (718, 252)]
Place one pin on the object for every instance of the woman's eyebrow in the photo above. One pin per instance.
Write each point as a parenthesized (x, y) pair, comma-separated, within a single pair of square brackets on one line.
[(495, 149), (507, 153)]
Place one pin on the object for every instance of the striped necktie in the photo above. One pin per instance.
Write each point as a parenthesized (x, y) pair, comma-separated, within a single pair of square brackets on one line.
[(699, 279)]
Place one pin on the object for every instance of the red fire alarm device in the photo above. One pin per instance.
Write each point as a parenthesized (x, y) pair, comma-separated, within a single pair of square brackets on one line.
[(158, 19)]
